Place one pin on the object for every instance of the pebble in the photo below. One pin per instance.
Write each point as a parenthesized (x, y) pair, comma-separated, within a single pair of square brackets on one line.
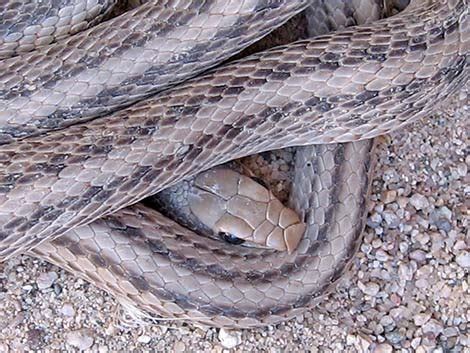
[(144, 339), (421, 318), (389, 196), (27, 287), (362, 343), (67, 310), (36, 338), (403, 247), (350, 339), (386, 321), (460, 245), (405, 272), (229, 339), (422, 238), (383, 348), (103, 349), (463, 259), (419, 202), (391, 219), (394, 337), (462, 169), (374, 220), (46, 280), (418, 255), (179, 347), (369, 288), (381, 255), (441, 218), (80, 339), (422, 283), (422, 349), (415, 342), (450, 332), (433, 326)]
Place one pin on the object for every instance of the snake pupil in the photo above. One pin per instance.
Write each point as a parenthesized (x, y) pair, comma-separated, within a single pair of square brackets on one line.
[(230, 238)]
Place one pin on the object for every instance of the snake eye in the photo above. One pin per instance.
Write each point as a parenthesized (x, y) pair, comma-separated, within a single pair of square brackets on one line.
[(231, 239)]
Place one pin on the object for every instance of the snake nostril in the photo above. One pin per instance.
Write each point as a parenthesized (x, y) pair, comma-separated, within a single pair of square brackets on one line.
[(230, 238)]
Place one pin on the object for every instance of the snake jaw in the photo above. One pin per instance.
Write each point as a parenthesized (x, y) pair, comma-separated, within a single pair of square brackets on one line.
[(288, 231), (293, 235)]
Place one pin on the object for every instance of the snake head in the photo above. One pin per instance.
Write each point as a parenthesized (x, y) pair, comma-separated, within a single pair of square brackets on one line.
[(236, 206)]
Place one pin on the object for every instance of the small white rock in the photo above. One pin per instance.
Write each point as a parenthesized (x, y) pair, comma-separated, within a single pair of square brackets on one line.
[(422, 283), (350, 340), (415, 342), (392, 220), (67, 310), (47, 279), (27, 287), (434, 327), (383, 348), (422, 238), (362, 343), (462, 169), (80, 339), (421, 318), (103, 349), (421, 349), (229, 339), (369, 288), (419, 202), (179, 347), (386, 321), (450, 332), (374, 220), (418, 256), (405, 273), (446, 213), (144, 339), (381, 255), (463, 259)]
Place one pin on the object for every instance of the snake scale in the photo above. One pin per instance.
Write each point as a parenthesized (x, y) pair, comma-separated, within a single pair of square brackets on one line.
[(69, 183)]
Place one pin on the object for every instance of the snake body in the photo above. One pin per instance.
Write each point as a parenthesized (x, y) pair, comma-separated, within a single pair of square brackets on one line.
[(70, 187), (25, 26), (132, 56)]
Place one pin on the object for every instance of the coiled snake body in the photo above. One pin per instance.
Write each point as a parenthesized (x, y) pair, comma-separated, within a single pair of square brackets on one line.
[(68, 190)]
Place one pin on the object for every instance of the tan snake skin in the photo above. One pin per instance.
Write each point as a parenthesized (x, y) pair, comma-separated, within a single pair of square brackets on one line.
[(351, 85), (25, 26), (130, 57)]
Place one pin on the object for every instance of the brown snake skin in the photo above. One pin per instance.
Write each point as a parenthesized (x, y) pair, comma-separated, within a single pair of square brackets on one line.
[(350, 85)]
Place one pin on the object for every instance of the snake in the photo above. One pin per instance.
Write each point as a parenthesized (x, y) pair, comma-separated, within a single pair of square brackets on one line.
[(94, 123)]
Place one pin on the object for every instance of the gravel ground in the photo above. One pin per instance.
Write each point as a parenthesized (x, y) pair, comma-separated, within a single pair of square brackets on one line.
[(408, 289)]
